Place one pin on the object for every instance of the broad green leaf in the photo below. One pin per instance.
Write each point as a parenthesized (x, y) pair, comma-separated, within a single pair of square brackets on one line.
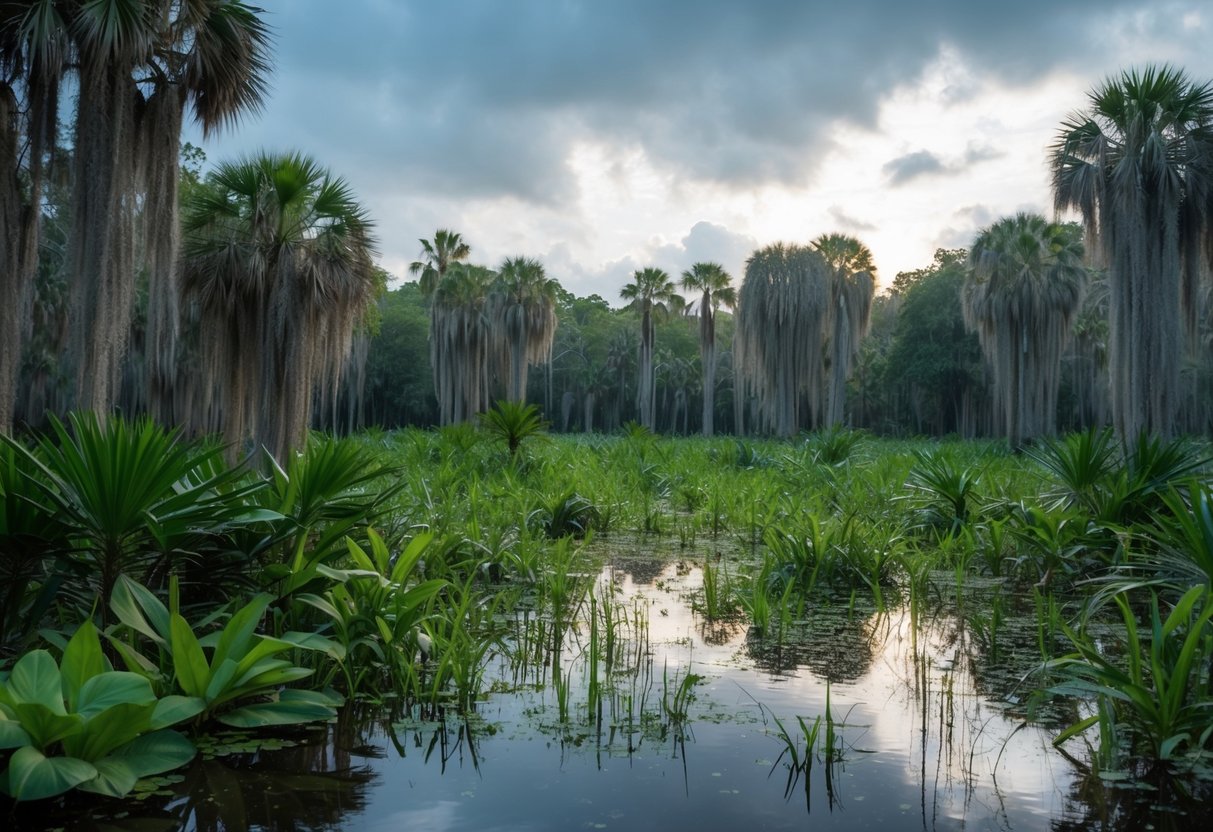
[(321, 604), (328, 697), (113, 688), (138, 608), (108, 730), (12, 735), (221, 680), (317, 642), (33, 776), (36, 678), (277, 713), (43, 725), (115, 778), (264, 648), (236, 636), (172, 710), (189, 662), (156, 753), (82, 660), (134, 661), (409, 557)]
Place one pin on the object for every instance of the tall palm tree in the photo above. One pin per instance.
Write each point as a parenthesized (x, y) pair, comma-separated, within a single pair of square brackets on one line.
[(715, 287), (851, 291), (651, 290), (461, 342), (277, 258), (34, 52), (1021, 294), (524, 317), (437, 256), (140, 64), (782, 312), (1136, 164)]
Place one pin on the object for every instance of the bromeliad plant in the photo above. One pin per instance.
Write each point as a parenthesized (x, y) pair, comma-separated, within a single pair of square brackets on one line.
[(81, 725)]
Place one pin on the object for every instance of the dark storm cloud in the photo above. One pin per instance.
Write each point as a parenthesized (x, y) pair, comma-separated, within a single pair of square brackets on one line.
[(486, 98)]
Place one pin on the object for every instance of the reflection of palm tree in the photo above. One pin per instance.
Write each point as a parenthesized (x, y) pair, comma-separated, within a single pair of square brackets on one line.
[(438, 255), (1135, 164), (524, 317), (278, 260), (1021, 293), (715, 288), (651, 290), (852, 288)]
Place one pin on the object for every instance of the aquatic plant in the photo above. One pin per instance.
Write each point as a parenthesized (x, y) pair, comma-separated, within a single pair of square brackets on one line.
[(81, 725), (240, 682), (1159, 696)]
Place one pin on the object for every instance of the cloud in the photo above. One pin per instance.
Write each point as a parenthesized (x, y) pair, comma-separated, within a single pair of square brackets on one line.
[(463, 112), (911, 166), (480, 98), (847, 222), (705, 242), (969, 220), (920, 163)]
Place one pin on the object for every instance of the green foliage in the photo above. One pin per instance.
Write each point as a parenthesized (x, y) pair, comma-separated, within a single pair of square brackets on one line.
[(375, 615), (566, 514), (82, 725), (932, 357), (336, 489), (124, 497), (238, 682), (943, 491), (1158, 694), (513, 423)]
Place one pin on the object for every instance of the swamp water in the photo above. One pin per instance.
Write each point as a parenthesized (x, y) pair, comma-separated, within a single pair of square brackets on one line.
[(681, 723)]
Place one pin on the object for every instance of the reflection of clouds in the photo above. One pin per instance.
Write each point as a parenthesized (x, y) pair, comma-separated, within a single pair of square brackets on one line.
[(434, 817)]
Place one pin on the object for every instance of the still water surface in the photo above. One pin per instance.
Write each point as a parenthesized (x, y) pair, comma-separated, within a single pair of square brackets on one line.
[(924, 744)]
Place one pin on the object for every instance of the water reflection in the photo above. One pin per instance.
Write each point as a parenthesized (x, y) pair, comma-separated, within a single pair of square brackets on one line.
[(836, 646), (586, 728)]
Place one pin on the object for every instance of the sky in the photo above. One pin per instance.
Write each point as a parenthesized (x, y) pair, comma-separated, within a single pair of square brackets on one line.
[(604, 136)]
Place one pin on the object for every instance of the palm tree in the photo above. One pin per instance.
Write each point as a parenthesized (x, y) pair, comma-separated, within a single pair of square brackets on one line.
[(1021, 294), (140, 66), (650, 290), (33, 58), (524, 317), (851, 292), (1136, 165), (277, 258), (715, 288), (461, 341), (782, 313), (437, 256)]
